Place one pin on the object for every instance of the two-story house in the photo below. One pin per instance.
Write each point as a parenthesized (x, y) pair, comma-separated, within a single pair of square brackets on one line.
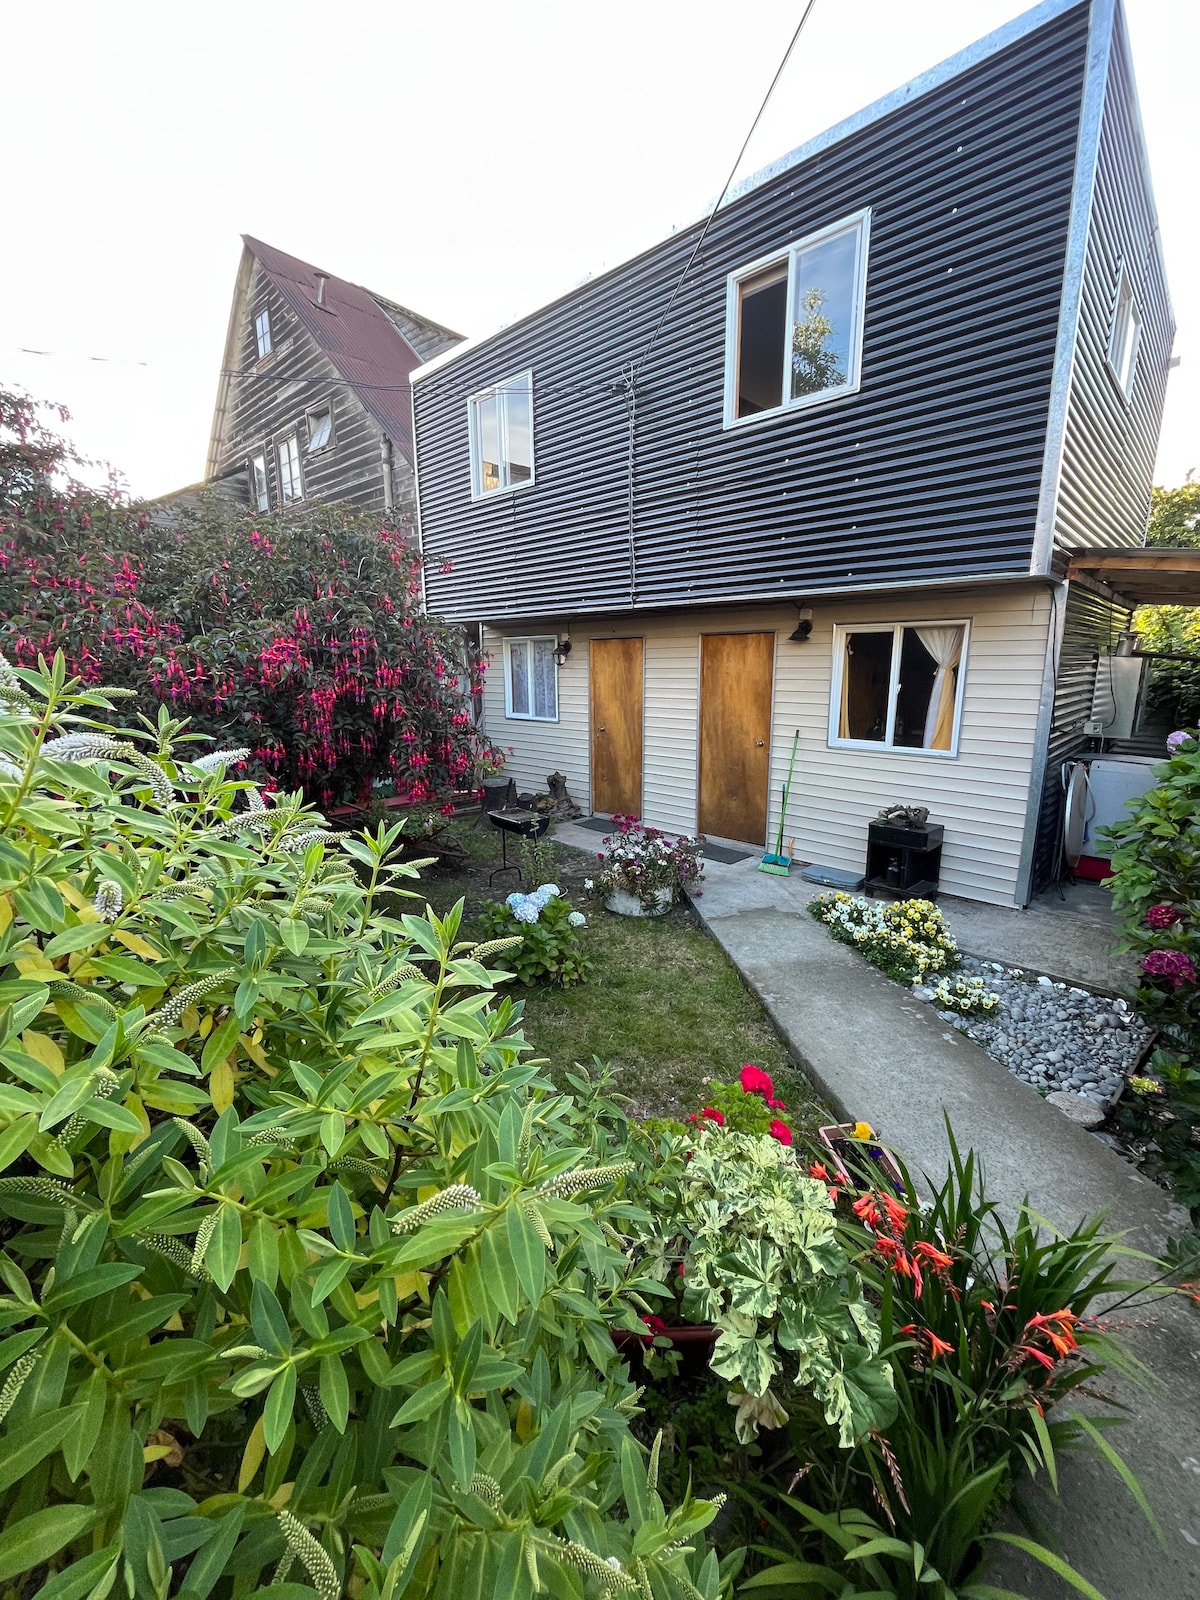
[(821, 463), (313, 400)]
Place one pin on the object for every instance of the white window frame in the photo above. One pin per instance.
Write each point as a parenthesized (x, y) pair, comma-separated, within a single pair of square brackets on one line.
[(478, 492), (1125, 335), (860, 220), (285, 476), (896, 629), (317, 411), (527, 644), (260, 483), (262, 333)]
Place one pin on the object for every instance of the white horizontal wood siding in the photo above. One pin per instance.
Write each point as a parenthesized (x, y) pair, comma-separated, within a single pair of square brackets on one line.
[(980, 796)]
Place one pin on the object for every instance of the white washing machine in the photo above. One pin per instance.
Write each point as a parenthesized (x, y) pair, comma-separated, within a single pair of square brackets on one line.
[(1113, 781)]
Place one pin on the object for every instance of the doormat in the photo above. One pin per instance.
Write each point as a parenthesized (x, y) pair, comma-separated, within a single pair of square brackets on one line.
[(711, 852)]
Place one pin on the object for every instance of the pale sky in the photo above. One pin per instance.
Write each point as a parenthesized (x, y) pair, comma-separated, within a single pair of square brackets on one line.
[(471, 160)]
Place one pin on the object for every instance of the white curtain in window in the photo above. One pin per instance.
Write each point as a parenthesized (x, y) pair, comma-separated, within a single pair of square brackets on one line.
[(945, 646), (545, 679), (518, 661)]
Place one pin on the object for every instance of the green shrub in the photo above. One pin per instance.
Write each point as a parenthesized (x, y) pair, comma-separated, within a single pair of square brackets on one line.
[(544, 934), (309, 1277), (1155, 853)]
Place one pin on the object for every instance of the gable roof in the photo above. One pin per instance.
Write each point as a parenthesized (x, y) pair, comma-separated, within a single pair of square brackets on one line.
[(352, 329)]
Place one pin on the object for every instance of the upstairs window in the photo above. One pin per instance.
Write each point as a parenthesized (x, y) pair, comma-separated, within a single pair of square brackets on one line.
[(501, 425), (898, 686), (291, 486), (259, 489), (320, 428), (262, 332), (1126, 336), (794, 323), (531, 679)]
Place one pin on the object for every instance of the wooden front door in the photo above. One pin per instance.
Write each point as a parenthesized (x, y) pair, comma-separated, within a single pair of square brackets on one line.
[(616, 677), (735, 734)]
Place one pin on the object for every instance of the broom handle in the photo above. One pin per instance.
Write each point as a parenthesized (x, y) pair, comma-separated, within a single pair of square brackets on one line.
[(787, 789)]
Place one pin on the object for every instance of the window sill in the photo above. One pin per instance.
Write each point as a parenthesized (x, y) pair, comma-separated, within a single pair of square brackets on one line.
[(495, 494), (828, 397), (879, 748), (527, 716)]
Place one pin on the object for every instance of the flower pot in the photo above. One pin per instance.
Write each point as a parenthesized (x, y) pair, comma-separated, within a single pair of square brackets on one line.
[(694, 1341), (628, 905), (839, 1140)]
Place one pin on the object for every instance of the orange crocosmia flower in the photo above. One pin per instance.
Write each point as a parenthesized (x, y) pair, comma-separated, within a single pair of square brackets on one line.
[(867, 1211), (932, 1256), (1037, 1355), (937, 1347), (897, 1214), (888, 1248), (819, 1171)]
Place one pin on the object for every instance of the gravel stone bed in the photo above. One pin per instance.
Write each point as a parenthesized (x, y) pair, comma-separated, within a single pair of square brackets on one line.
[(1052, 1035)]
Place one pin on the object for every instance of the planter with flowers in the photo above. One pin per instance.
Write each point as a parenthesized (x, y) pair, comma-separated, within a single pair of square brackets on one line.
[(643, 870), (747, 1243)]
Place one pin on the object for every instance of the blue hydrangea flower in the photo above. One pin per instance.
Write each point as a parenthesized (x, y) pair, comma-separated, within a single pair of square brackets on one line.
[(545, 893), (524, 907), (577, 919)]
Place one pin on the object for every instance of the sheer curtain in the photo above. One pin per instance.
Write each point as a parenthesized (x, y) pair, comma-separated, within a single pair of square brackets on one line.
[(945, 646)]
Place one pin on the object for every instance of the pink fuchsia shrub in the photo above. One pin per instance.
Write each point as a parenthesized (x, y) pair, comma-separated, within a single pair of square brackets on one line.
[(296, 636)]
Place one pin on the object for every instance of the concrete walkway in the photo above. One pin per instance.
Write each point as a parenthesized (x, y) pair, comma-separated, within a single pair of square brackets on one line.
[(878, 1055)]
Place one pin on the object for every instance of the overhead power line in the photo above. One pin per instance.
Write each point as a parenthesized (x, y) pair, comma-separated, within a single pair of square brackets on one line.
[(637, 368)]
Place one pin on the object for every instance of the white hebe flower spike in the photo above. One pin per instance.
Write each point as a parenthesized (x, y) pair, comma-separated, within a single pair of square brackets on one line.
[(221, 758), (458, 1197), (109, 900)]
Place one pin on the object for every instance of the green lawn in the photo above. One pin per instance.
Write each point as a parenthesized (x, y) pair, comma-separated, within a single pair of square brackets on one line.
[(665, 1007), (662, 1005)]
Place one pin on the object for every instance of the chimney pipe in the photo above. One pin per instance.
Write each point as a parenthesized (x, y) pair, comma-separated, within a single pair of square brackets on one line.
[(322, 280)]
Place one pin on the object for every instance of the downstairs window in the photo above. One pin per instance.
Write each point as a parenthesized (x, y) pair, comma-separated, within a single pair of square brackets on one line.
[(898, 686), (531, 679)]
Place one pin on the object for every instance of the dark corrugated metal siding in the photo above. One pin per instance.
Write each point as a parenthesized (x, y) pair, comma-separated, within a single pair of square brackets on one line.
[(930, 472), (1110, 441), (1090, 629)]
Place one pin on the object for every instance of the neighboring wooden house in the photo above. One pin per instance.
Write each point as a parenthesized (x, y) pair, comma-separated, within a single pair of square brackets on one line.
[(828, 478), (313, 402)]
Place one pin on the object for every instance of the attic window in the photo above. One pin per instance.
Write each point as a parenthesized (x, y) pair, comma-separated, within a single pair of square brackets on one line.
[(501, 428), (794, 323), (262, 332), (320, 428), (1126, 336)]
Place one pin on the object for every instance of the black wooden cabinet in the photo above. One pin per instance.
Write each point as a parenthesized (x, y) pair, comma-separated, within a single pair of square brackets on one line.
[(904, 862)]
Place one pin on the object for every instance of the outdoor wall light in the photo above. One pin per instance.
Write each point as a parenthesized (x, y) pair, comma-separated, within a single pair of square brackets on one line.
[(562, 652), (803, 626)]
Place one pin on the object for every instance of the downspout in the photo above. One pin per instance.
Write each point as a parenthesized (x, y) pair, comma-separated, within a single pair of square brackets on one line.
[(629, 377), (385, 456)]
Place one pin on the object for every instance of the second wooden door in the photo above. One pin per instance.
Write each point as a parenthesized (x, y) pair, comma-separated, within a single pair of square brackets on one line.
[(735, 734), (616, 679)]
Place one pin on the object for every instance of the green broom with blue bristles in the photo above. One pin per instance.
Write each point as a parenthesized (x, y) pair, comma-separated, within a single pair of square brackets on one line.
[(775, 861)]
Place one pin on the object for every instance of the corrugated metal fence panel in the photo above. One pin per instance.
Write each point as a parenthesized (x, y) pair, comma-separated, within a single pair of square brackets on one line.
[(1090, 629), (981, 795), (1110, 441), (930, 472)]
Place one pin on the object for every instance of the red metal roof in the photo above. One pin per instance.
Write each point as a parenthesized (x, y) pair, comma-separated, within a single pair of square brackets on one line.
[(360, 340)]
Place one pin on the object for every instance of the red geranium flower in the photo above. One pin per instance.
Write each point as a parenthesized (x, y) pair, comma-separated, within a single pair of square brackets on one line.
[(755, 1081), (711, 1114), (656, 1326), (781, 1131)]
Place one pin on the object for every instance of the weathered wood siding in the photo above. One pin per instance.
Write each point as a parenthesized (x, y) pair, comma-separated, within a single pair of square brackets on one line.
[(931, 472), (981, 795), (269, 402), (1110, 439)]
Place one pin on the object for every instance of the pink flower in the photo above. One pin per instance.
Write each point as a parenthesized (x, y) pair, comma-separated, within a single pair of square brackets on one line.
[(755, 1081), (1173, 965), (1163, 916), (781, 1131)]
